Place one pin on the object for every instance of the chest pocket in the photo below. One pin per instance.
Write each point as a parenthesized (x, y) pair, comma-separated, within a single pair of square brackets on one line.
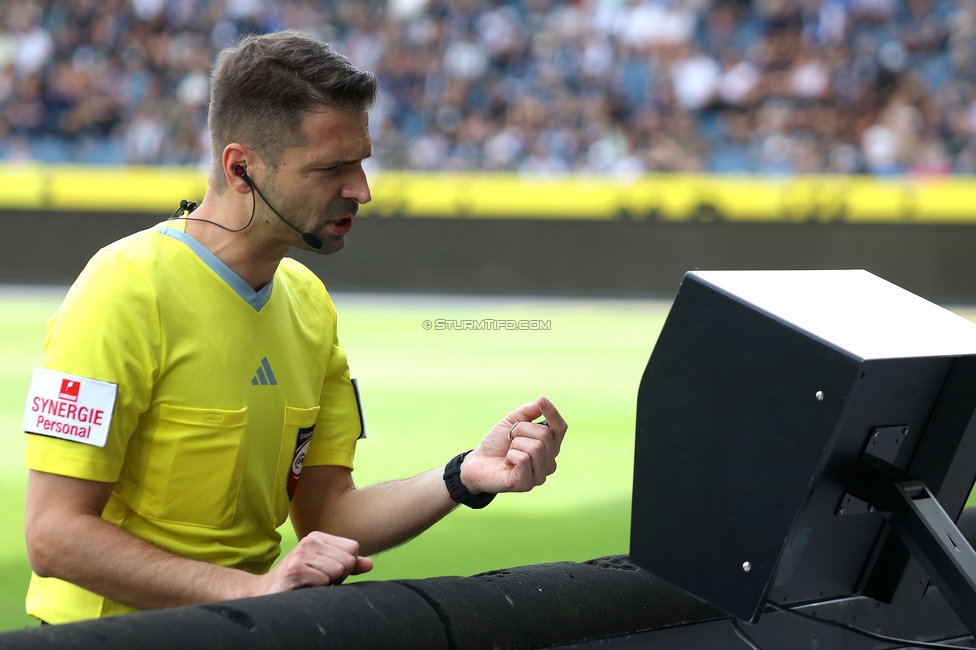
[(195, 466), (298, 432)]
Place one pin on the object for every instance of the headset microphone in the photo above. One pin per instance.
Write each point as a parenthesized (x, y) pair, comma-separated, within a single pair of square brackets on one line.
[(307, 237)]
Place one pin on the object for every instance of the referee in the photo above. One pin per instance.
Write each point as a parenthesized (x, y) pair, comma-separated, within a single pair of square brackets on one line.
[(194, 392)]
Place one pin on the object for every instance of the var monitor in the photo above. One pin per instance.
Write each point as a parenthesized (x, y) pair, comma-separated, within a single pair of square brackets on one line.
[(804, 436)]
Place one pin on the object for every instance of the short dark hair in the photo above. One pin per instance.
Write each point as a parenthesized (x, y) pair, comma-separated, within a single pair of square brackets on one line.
[(261, 88)]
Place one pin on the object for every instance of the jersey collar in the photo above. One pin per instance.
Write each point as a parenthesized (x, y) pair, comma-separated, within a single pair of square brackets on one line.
[(257, 299)]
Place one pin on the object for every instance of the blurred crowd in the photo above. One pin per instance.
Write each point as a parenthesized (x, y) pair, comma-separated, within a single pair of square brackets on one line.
[(534, 86)]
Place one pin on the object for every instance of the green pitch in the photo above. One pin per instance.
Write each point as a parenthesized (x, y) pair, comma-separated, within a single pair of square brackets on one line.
[(428, 395)]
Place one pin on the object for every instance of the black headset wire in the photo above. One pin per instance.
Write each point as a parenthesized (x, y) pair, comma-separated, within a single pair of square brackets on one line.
[(187, 207), (871, 635)]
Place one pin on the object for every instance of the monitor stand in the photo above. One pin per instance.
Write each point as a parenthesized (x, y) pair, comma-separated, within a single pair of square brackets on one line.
[(922, 525)]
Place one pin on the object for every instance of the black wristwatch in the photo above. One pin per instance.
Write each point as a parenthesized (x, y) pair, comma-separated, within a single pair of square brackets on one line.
[(460, 494)]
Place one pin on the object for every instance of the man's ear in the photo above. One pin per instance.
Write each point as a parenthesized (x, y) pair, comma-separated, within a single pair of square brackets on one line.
[(236, 157)]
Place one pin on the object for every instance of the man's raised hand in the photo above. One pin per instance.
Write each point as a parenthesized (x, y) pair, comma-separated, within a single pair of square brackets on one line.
[(517, 454)]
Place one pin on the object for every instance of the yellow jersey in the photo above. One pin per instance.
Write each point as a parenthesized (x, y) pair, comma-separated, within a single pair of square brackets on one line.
[(218, 389)]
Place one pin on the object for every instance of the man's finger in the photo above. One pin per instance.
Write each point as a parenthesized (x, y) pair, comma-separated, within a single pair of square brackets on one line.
[(554, 419), (303, 569), (363, 565), (536, 451), (525, 413), (521, 471), (334, 564), (541, 432), (320, 539), (320, 558)]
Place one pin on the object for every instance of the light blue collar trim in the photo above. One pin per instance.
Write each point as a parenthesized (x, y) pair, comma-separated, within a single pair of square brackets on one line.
[(257, 299)]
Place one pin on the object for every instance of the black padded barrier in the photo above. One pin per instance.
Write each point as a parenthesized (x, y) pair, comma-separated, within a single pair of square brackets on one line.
[(605, 603), (380, 615), (526, 607), (553, 604)]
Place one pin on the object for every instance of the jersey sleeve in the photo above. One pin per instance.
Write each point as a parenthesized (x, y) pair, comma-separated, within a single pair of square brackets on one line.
[(338, 425), (107, 329)]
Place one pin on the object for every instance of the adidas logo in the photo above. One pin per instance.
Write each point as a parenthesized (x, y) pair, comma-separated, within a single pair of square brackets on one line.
[(264, 376)]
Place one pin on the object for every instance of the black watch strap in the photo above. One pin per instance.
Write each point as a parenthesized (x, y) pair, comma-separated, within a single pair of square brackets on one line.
[(460, 494)]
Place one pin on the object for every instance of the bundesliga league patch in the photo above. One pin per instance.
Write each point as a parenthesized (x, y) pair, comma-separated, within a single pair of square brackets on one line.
[(69, 407), (298, 460)]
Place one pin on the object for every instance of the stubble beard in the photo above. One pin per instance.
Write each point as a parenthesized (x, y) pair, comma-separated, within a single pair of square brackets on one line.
[(330, 243), (333, 243)]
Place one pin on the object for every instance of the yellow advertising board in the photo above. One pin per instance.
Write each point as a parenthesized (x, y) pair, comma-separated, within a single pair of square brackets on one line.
[(662, 197)]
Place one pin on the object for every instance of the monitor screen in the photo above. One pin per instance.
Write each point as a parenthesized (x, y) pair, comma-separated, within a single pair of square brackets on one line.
[(763, 394)]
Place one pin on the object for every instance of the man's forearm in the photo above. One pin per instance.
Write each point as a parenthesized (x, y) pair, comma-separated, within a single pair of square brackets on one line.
[(379, 517), (515, 455), (97, 555)]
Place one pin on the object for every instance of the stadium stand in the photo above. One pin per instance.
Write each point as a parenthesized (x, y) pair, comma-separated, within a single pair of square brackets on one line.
[(532, 86)]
